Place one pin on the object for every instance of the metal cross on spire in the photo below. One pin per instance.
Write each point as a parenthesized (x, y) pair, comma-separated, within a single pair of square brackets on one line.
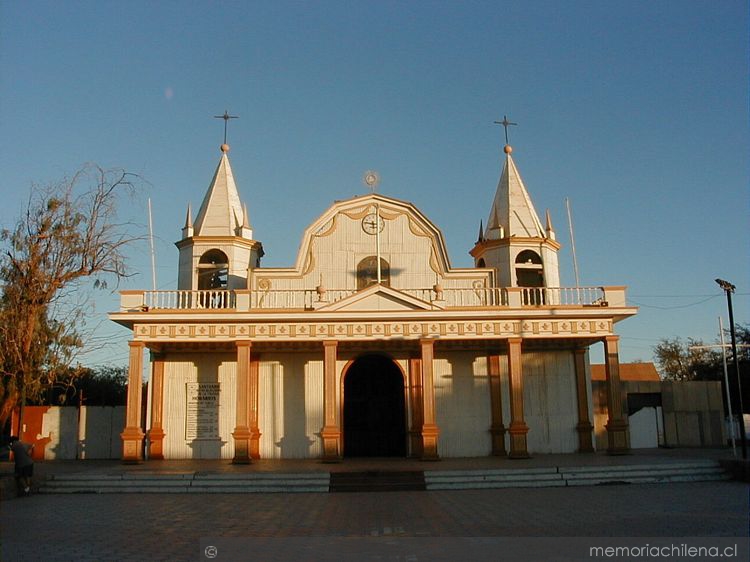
[(226, 117), (505, 123)]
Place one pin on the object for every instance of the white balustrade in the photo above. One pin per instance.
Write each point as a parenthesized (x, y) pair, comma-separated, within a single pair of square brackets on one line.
[(308, 299)]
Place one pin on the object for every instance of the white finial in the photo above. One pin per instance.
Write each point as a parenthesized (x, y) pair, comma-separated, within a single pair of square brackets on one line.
[(371, 179), (187, 230)]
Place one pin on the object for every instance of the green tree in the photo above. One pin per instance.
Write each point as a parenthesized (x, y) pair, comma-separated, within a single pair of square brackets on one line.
[(68, 240)]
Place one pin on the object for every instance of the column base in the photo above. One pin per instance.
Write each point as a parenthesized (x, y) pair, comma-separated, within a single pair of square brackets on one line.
[(156, 444), (498, 441), (415, 444), (331, 444), (585, 444), (618, 437), (430, 434), (518, 445), (241, 436), (254, 443), (132, 445)]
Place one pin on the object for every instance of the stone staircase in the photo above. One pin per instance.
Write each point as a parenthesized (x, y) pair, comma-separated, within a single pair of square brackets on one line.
[(377, 481), (165, 482), (186, 483), (689, 471)]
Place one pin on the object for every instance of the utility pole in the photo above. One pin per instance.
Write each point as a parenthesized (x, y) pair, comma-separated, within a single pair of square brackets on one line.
[(728, 288), (723, 346)]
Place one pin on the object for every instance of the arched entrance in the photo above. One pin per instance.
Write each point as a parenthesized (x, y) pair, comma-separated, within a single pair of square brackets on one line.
[(374, 409)]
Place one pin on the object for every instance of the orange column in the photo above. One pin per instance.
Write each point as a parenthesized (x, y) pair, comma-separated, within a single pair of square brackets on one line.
[(584, 427), (253, 405), (430, 429), (331, 433), (132, 435), (415, 401), (497, 429), (618, 434), (241, 433), (518, 428), (156, 432)]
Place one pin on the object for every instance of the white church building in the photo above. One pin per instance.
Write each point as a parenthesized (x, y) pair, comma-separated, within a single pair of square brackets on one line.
[(371, 343)]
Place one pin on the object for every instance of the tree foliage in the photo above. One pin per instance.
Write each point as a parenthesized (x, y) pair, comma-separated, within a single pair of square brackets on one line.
[(69, 239), (679, 360), (100, 386)]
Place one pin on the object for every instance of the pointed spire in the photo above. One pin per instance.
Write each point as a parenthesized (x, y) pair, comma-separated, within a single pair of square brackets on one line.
[(512, 207), (187, 230), (550, 231), (243, 228), (245, 216), (480, 238), (221, 206)]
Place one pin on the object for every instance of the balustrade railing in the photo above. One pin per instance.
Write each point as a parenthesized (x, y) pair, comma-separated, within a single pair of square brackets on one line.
[(189, 300), (307, 299), (562, 296)]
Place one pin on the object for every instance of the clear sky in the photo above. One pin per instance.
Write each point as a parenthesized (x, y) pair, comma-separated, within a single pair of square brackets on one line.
[(636, 111)]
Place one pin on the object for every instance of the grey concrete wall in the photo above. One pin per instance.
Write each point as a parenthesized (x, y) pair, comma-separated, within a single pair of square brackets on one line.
[(92, 433), (693, 411), (693, 414)]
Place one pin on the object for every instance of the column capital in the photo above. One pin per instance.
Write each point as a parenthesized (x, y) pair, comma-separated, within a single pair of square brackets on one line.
[(515, 341), (136, 343), (330, 343), (611, 339), (243, 343)]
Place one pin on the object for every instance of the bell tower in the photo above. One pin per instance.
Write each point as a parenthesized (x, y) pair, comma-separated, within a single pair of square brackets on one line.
[(218, 250), (514, 243)]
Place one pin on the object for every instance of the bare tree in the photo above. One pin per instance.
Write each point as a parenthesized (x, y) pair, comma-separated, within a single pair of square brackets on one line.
[(69, 239)]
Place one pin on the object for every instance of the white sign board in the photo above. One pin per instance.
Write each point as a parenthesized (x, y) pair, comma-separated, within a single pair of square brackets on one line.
[(202, 413)]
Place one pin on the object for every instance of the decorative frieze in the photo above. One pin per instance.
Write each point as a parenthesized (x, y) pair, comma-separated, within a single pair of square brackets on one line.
[(303, 331)]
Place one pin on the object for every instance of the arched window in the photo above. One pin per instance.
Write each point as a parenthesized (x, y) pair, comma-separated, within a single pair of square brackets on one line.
[(480, 263), (530, 273), (367, 272), (213, 270)]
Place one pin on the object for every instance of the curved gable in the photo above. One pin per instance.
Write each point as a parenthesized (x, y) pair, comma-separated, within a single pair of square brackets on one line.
[(343, 238)]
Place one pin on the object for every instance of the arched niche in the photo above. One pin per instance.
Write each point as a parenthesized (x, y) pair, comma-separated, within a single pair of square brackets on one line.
[(213, 270), (367, 272)]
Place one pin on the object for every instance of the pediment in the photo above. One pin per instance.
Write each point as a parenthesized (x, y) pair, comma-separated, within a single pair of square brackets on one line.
[(379, 298)]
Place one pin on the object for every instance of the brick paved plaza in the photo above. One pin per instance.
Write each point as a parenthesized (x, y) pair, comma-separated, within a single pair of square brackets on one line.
[(169, 526)]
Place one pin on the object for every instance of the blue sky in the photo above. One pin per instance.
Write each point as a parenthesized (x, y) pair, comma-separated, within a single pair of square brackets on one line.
[(635, 111)]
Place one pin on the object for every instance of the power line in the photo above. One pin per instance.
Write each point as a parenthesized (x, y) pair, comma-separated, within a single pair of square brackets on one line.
[(676, 306)]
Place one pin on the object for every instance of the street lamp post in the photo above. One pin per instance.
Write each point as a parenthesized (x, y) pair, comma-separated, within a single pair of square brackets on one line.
[(728, 288)]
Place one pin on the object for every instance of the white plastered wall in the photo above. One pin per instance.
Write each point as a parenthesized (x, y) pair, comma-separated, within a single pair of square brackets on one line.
[(462, 405), (290, 404), (212, 367), (550, 401)]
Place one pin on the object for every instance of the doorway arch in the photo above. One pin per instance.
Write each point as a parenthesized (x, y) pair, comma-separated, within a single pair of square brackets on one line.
[(374, 408)]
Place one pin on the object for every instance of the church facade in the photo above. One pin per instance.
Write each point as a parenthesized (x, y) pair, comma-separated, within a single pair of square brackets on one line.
[(371, 344)]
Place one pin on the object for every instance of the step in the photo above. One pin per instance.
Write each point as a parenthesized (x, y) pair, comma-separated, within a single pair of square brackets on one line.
[(491, 485), (377, 481), (636, 467), (155, 482)]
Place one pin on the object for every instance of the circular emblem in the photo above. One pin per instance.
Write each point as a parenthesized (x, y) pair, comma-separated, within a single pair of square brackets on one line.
[(371, 179), (373, 223)]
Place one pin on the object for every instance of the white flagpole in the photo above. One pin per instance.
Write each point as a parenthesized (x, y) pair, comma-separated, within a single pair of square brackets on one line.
[(572, 242), (151, 242), (377, 239)]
